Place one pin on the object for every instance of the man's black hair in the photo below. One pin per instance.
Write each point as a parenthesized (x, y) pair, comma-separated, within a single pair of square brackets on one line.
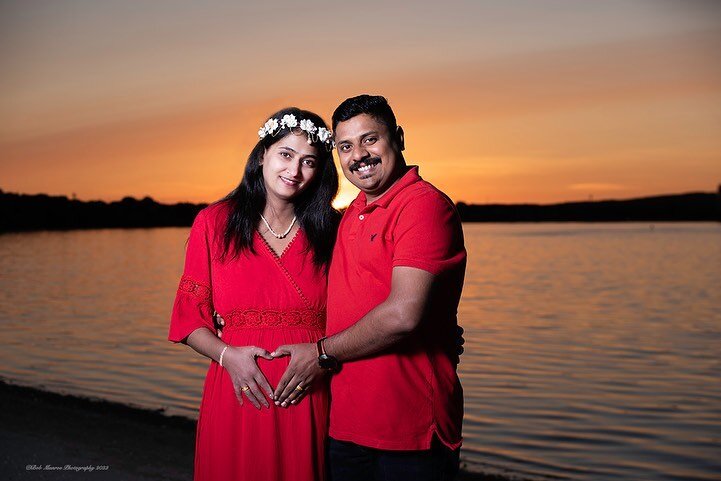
[(374, 105)]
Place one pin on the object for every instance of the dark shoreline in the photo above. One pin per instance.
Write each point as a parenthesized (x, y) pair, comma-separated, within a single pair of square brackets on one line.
[(23, 212), (41, 428)]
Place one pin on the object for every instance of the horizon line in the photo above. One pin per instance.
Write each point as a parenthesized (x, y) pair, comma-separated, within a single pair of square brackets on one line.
[(456, 202)]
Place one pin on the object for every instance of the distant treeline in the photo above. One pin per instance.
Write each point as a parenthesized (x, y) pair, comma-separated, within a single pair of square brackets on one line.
[(680, 207), (22, 212)]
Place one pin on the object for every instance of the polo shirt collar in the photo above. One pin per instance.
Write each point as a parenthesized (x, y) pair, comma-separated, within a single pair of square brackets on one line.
[(410, 177)]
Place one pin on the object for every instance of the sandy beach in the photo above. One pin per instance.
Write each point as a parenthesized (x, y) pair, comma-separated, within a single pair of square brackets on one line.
[(46, 435), (50, 436)]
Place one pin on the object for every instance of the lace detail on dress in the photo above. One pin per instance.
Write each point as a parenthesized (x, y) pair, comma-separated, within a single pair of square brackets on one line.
[(280, 265), (269, 318), (197, 289)]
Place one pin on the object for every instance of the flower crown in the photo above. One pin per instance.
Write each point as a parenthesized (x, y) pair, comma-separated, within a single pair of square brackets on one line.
[(315, 134)]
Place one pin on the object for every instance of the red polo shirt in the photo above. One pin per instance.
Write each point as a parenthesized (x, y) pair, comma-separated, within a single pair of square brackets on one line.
[(401, 398)]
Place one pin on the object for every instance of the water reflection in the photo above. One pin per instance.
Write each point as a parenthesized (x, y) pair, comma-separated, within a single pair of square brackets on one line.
[(593, 351)]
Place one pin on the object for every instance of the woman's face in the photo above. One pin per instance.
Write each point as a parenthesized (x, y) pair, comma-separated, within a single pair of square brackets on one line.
[(289, 166)]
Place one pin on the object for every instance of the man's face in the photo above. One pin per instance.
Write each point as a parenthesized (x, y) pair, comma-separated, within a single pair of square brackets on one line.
[(369, 154)]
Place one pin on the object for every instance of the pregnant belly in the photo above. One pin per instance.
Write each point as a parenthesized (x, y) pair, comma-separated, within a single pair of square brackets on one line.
[(271, 339)]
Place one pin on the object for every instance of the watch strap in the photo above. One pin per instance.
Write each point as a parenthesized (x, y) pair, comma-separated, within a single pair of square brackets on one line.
[(319, 345)]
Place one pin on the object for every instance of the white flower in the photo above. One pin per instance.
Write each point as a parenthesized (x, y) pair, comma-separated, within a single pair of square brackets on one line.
[(308, 126), (323, 134), (271, 125), (288, 120), (262, 133)]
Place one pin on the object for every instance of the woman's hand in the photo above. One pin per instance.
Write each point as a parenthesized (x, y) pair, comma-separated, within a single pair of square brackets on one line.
[(241, 364), (300, 374)]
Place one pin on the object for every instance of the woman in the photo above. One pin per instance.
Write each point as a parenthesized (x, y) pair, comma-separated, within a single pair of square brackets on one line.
[(258, 257)]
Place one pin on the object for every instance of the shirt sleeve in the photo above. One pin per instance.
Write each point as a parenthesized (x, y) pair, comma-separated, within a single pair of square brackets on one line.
[(429, 235), (193, 307)]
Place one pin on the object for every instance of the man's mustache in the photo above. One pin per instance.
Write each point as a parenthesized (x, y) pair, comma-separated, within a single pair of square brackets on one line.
[(359, 163)]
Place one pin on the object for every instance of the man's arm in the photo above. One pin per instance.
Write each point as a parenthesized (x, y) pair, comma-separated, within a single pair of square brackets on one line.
[(386, 325), (390, 322)]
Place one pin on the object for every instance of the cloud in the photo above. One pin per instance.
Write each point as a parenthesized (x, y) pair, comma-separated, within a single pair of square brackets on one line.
[(583, 76)]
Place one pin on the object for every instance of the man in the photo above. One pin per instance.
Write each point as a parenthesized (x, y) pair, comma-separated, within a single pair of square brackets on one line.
[(393, 290)]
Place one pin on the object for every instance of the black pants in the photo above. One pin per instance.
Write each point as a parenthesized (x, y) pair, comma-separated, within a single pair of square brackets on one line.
[(351, 462)]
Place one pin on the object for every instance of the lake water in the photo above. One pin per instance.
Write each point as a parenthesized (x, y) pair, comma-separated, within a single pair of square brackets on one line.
[(593, 350)]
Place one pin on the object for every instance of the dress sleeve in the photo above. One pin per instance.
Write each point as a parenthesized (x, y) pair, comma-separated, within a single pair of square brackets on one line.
[(429, 235), (193, 306)]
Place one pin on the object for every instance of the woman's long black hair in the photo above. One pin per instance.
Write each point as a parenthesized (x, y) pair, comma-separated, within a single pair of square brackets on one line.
[(316, 215)]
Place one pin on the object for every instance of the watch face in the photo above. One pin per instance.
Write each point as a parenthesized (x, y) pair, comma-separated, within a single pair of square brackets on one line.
[(328, 362)]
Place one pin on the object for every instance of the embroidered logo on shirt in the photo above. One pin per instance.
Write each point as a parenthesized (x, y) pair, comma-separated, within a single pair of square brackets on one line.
[(373, 236)]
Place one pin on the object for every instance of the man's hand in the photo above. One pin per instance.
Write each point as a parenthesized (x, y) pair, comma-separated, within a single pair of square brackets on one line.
[(300, 375), (460, 341), (219, 323)]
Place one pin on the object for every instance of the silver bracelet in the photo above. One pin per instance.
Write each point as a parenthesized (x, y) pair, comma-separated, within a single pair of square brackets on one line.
[(220, 361)]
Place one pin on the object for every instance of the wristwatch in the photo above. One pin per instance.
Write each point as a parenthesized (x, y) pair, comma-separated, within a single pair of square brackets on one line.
[(325, 360)]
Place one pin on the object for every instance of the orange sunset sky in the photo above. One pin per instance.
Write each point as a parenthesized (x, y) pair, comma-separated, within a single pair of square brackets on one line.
[(501, 101)]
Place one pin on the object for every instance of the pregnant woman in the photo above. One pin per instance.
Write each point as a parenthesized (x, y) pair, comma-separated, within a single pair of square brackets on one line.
[(259, 258)]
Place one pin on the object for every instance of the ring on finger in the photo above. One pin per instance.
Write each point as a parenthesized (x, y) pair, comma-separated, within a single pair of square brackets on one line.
[(245, 388), (300, 388)]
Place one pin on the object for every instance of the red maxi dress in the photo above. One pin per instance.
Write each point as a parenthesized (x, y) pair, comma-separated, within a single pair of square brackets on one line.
[(266, 300)]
